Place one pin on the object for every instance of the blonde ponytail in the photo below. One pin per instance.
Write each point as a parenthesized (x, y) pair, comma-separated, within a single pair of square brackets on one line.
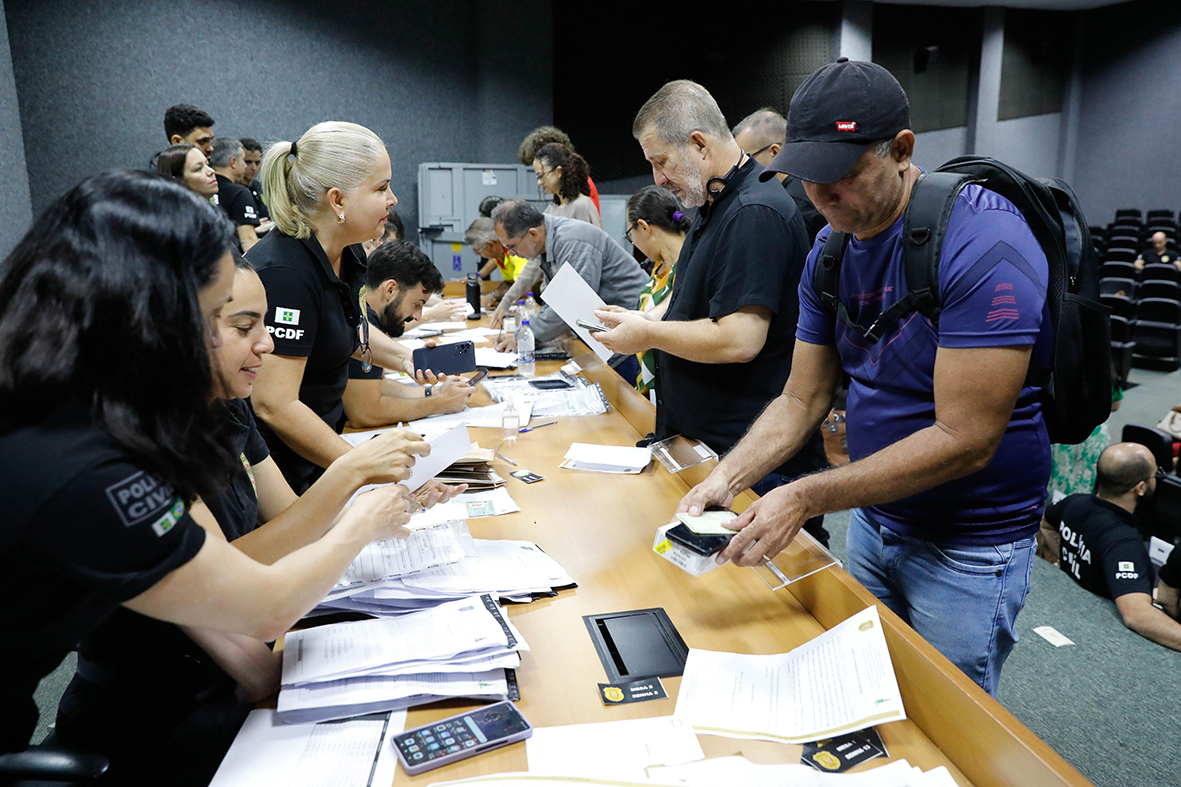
[(332, 154)]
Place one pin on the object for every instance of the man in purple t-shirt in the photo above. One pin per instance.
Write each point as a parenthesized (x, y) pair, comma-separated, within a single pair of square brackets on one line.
[(949, 448)]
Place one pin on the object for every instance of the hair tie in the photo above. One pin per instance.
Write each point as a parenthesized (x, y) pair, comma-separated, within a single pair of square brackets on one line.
[(292, 151), (677, 216)]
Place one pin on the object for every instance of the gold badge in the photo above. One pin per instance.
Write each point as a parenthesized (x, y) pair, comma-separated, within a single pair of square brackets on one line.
[(613, 693), (827, 760), (866, 626)]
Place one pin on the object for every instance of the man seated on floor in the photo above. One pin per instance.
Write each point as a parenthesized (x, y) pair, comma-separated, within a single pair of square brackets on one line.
[(1100, 546), (399, 279)]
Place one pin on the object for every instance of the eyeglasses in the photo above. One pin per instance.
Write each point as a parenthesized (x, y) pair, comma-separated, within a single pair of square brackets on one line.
[(1159, 474), (760, 150), (543, 173), (628, 235)]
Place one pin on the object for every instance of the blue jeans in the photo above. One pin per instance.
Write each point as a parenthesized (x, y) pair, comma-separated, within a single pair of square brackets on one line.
[(964, 600)]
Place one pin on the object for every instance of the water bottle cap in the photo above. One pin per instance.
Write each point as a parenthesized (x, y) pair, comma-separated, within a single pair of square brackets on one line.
[(525, 321), (521, 302), (530, 293)]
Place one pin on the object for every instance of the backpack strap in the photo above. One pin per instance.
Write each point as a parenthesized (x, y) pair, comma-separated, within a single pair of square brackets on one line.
[(931, 200)]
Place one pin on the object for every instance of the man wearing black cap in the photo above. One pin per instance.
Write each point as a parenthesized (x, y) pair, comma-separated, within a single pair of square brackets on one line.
[(723, 345), (950, 452)]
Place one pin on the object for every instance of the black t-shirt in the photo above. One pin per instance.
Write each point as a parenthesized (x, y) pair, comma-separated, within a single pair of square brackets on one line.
[(1101, 549), (237, 201), (747, 248), (311, 313), (85, 529), (256, 192), (1170, 572), (813, 221)]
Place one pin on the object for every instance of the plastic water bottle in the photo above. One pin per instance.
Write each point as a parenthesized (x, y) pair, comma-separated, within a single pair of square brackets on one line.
[(531, 307), (520, 316), (510, 420), (526, 366)]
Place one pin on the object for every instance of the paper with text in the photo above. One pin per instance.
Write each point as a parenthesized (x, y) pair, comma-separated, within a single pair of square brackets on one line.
[(839, 682), (572, 299)]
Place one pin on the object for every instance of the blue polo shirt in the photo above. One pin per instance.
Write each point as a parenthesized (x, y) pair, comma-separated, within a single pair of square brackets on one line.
[(992, 283)]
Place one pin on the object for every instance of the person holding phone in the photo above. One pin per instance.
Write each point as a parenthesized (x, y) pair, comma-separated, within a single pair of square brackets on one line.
[(398, 282), (109, 313), (328, 192)]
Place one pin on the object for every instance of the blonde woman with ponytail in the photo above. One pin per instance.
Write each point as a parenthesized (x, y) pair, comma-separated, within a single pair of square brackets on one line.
[(327, 192)]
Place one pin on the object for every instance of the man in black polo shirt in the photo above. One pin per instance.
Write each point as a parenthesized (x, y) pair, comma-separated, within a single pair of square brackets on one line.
[(762, 134), (229, 163), (1100, 547), (723, 345), (252, 155)]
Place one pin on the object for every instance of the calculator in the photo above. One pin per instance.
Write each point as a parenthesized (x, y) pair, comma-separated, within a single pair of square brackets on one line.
[(462, 736)]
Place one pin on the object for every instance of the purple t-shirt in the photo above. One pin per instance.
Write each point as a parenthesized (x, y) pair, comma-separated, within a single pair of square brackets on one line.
[(992, 283)]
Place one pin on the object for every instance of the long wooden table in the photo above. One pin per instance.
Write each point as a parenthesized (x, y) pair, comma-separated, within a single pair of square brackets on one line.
[(600, 528)]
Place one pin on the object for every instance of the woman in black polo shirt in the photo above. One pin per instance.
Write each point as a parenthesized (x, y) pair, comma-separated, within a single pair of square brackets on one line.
[(108, 312), (328, 192)]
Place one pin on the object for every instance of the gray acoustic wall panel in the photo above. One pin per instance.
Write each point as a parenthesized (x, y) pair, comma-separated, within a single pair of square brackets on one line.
[(95, 76), (15, 211)]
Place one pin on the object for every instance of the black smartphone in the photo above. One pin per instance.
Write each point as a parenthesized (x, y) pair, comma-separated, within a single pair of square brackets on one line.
[(702, 545), (480, 374), (459, 737), (551, 385), (593, 327), (446, 358)]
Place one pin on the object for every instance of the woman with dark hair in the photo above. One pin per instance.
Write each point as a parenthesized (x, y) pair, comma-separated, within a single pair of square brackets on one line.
[(656, 225), (109, 310), (188, 164), (149, 694), (563, 174)]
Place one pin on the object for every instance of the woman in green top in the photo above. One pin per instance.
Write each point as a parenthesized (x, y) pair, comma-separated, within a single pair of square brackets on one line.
[(656, 225)]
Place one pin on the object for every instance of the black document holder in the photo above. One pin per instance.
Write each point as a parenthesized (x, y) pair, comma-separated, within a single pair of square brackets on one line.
[(639, 643)]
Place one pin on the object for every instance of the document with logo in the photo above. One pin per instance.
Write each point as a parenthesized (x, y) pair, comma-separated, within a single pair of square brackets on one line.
[(840, 682)]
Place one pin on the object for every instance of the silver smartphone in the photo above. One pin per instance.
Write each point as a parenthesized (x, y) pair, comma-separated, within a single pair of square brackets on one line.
[(459, 737), (593, 327)]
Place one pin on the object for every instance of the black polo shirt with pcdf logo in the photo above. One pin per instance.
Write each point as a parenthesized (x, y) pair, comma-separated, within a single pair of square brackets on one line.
[(311, 313), (745, 249), (1101, 548), (237, 201)]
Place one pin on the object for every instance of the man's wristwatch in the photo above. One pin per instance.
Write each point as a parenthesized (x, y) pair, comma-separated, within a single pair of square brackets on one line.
[(428, 391)]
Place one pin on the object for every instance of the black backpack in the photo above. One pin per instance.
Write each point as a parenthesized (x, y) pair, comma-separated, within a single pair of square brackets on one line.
[(1077, 386)]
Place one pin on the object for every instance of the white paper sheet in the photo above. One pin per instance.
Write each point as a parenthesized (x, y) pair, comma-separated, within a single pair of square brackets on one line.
[(839, 682), (572, 299), (488, 356), (469, 505), (613, 749), (424, 548), (266, 752), (446, 447), (488, 417), (607, 458), (356, 692)]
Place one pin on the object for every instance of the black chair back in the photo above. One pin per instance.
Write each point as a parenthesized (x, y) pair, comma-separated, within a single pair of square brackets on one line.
[(1155, 440)]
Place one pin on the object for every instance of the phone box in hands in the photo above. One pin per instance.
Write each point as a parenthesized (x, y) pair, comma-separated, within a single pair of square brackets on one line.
[(681, 557)]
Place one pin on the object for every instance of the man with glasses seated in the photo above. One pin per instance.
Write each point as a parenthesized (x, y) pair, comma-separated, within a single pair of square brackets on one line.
[(1100, 547), (556, 241)]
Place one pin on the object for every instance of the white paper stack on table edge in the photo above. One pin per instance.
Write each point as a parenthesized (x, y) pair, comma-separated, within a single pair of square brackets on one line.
[(839, 682), (267, 752), (606, 458), (422, 657), (516, 571), (633, 744)]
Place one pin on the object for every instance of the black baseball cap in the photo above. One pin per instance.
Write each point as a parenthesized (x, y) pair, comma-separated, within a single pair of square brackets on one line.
[(840, 110)]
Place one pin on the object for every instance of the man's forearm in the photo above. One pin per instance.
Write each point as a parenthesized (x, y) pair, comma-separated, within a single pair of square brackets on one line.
[(776, 436), (709, 341), (1151, 623), (528, 276)]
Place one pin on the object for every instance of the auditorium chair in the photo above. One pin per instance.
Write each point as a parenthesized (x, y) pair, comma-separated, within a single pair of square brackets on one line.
[(1120, 305), (1121, 254), (1157, 330), (45, 764), (1155, 288), (1122, 349), (1118, 269), (1160, 271), (1118, 286)]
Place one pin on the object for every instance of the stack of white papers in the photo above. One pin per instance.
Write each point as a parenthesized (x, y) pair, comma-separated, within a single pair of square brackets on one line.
[(457, 649), (469, 505), (606, 458), (425, 548), (351, 753), (840, 682), (509, 570), (488, 356)]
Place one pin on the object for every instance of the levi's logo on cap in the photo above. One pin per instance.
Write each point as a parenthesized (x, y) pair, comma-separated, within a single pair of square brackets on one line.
[(846, 125)]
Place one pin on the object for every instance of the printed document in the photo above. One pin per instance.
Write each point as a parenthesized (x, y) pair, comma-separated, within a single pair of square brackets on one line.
[(572, 298), (840, 682)]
